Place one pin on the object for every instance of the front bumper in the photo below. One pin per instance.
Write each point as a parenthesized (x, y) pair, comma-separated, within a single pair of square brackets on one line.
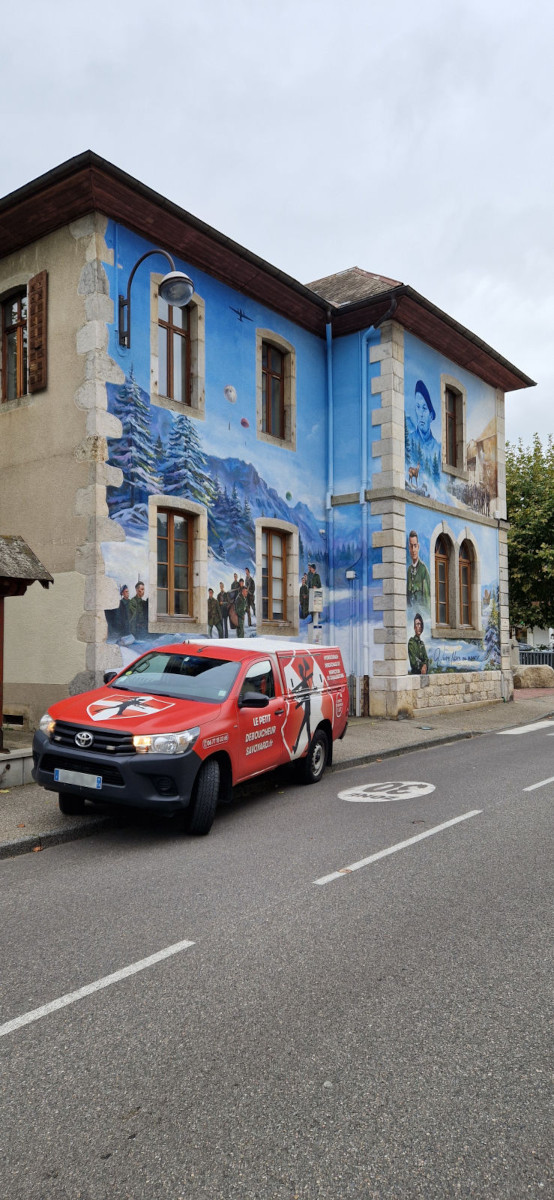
[(160, 782)]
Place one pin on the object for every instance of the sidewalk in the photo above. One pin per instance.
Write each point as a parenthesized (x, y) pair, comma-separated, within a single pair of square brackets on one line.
[(30, 818)]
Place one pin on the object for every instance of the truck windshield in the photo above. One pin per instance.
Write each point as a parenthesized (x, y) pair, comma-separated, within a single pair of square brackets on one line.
[(183, 676)]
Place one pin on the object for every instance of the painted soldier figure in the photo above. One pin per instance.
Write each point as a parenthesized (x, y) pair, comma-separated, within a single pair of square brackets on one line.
[(214, 614), (304, 598), (417, 654), (138, 612), (234, 586), (240, 609), (313, 577), (251, 597), (123, 627), (418, 580), (223, 601)]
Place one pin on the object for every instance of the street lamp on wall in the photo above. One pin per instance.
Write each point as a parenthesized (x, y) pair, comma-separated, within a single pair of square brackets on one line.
[(176, 288)]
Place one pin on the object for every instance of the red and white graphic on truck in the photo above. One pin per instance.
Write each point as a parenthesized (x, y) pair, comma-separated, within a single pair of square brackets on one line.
[(110, 708), (308, 703)]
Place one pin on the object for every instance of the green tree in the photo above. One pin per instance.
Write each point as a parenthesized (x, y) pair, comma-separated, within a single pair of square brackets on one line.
[(530, 503)]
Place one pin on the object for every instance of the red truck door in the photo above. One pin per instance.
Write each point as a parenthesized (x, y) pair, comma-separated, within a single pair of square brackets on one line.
[(260, 741)]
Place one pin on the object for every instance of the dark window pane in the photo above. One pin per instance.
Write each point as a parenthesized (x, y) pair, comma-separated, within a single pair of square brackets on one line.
[(162, 601), (180, 579), (162, 575), (162, 524), (162, 361), (11, 366), (180, 528), (178, 366), (181, 604)]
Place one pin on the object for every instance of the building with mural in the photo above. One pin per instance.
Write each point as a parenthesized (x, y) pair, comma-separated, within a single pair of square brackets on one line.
[(324, 463)]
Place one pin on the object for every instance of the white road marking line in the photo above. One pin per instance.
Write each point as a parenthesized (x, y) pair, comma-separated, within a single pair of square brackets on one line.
[(542, 783), (89, 988), (526, 728), (364, 862)]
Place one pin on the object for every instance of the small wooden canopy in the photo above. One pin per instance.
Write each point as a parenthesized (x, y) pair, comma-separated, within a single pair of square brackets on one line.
[(19, 567)]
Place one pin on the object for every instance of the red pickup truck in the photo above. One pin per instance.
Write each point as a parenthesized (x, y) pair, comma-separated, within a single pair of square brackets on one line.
[(180, 726)]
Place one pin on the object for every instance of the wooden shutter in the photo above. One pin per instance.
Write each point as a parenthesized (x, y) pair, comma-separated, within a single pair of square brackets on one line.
[(37, 296)]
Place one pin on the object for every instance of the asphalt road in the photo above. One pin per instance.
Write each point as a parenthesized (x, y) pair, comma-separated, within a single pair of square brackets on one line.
[(376, 1032)]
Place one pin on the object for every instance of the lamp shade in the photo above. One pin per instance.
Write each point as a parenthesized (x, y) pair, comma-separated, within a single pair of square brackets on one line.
[(176, 288)]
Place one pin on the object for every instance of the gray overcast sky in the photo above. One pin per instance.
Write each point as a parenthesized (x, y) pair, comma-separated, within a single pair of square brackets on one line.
[(415, 140)]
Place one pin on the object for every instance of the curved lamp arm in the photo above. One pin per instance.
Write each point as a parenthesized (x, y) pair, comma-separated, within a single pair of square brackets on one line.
[(124, 318)]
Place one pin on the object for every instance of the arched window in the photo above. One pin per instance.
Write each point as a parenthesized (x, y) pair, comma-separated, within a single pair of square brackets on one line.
[(442, 560), (465, 561)]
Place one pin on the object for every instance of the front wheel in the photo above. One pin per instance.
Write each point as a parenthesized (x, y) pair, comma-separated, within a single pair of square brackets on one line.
[(71, 806), (199, 817), (313, 765)]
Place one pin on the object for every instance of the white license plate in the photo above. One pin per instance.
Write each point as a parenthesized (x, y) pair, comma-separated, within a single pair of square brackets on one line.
[(79, 778)]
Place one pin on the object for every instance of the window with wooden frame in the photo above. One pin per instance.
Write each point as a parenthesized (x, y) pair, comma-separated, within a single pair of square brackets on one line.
[(442, 567), (454, 433), (174, 563), (14, 346), (452, 400), (274, 575), (273, 390), (23, 346), (174, 352), (465, 567)]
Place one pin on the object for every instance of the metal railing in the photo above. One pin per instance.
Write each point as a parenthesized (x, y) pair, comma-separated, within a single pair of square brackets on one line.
[(536, 658)]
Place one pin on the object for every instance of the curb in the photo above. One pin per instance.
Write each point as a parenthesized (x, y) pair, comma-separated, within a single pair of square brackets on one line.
[(41, 841), (364, 759)]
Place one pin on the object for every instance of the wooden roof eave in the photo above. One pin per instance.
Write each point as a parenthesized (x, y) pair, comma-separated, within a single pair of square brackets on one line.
[(435, 327)]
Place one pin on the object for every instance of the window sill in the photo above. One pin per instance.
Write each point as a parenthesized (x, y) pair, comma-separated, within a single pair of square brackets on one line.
[(166, 624), (458, 632), (285, 443), (179, 406), (457, 472), (19, 402)]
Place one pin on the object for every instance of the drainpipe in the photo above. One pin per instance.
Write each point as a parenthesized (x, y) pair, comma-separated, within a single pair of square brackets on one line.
[(365, 402), (330, 474)]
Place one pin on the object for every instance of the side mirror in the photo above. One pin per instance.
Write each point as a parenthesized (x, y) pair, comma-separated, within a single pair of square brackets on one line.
[(109, 675), (253, 700)]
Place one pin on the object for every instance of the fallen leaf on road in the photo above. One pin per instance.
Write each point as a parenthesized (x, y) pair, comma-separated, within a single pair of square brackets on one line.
[(36, 849)]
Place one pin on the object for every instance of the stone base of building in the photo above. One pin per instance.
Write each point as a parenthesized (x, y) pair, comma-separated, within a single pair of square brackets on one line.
[(412, 695)]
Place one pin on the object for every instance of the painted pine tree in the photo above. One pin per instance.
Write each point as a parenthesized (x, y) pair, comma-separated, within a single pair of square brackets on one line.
[(134, 452), (184, 471), (492, 634)]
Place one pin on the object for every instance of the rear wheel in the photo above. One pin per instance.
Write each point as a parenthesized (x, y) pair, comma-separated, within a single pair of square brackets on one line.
[(313, 765), (71, 806), (199, 817)]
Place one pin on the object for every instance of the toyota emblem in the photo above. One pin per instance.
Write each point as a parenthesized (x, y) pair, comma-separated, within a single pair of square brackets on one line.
[(83, 739)]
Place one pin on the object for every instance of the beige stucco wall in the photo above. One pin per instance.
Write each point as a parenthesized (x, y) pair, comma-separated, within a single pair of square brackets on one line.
[(53, 472)]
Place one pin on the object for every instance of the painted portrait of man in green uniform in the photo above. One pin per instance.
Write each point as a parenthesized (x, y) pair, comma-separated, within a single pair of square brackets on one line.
[(418, 580), (417, 654)]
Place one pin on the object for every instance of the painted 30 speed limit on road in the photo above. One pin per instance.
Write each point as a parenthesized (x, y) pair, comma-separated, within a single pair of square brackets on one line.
[(384, 793)]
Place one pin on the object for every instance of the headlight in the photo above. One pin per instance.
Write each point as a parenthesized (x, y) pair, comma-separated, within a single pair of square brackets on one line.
[(47, 724), (166, 743)]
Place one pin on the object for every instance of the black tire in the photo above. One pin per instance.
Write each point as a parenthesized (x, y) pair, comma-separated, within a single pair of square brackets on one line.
[(313, 765), (199, 817), (71, 806)]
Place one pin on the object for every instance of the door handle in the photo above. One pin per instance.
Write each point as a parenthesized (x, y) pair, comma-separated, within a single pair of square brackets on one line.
[(279, 712)]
